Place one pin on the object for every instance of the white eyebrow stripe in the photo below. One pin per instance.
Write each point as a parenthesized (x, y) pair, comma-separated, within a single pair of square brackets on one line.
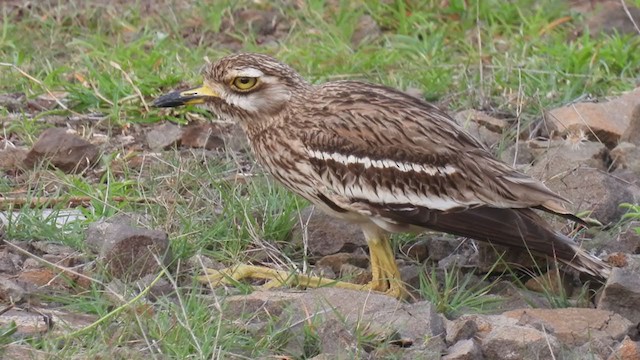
[(383, 164), (249, 72)]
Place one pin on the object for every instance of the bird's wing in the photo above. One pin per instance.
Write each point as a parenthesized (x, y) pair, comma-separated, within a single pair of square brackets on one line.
[(379, 146)]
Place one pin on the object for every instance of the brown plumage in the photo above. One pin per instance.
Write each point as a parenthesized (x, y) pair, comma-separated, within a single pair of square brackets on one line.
[(382, 159)]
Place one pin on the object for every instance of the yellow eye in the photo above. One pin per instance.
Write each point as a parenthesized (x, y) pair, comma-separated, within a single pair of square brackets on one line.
[(244, 82)]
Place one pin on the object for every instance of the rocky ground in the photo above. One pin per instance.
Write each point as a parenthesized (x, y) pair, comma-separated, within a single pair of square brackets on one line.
[(588, 151)]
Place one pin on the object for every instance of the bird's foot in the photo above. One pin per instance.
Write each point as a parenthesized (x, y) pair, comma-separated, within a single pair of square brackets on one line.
[(278, 278)]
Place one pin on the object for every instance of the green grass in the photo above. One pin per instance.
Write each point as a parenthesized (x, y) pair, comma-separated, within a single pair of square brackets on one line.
[(490, 54)]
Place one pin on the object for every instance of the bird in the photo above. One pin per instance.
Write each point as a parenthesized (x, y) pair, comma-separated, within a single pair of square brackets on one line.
[(377, 157)]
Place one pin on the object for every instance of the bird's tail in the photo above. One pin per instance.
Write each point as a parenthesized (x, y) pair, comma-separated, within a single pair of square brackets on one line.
[(585, 262), (516, 228)]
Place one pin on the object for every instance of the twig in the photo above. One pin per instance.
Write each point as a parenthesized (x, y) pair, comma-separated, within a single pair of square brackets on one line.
[(117, 310), (25, 74), (128, 78), (70, 201), (626, 10)]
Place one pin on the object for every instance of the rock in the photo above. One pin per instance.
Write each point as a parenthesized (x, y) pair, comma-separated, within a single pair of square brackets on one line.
[(10, 291), (128, 252), (161, 288), (553, 282), (9, 263), (432, 248), (336, 262), (461, 329), (163, 136), (22, 352), (632, 134), (214, 136), (410, 275), (483, 119), (621, 293), (605, 120), (575, 326), (64, 150), (606, 16), (338, 340), (416, 250), (591, 189), (12, 159), (375, 316), (366, 30), (27, 323), (524, 155), (619, 239), (626, 350), (327, 235), (497, 258), (13, 102), (557, 156), (464, 350), (262, 305), (482, 126), (513, 342), (197, 135), (354, 274), (381, 315), (626, 156)]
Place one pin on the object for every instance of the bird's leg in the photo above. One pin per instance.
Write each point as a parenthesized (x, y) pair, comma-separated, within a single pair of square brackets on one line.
[(385, 276), (384, 271), (276, 278)]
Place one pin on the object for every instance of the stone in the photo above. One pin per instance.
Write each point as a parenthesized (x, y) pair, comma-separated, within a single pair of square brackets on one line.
[(632, 133), (10, 291), (606, 16), (464, 350), (553, 282), (482, 126), (366, 30), (10, 263), (416, 250), (327, 235), (483, 119), (496, 258), (338, 340), (621, 293), (626, 350), (202, 135), (575, 326), (626, 156), (604, 121), (63, 150), (214, 136), (557, 156), (336, 262), (377, 317), (381, 315), (22, 352), (461, 329), (128, 252), (523, 155), (514, 342), (590, 189), (12, 159), (163, 136), (619, 239)]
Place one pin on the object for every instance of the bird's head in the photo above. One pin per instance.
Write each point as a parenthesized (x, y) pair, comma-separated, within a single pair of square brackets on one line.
[(241, 86)]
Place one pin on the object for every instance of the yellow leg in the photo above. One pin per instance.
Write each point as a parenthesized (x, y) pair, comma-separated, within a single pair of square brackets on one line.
[(277, 278), (385, 276)]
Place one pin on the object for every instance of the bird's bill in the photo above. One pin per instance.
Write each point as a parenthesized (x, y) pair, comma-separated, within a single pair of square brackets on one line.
[(186, 97)]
